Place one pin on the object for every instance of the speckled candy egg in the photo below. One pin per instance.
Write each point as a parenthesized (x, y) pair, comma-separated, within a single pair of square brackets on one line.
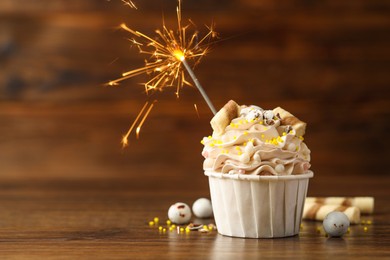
[(336, 224), (202, 208), (179, 213)]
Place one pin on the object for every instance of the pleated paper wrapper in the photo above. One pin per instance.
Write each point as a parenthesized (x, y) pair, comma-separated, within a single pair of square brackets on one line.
[(258, 206)]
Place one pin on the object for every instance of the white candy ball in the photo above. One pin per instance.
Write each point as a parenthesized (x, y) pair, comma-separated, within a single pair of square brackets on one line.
[(246, 110), (179, 213), (253, 115), (336, 224), (202, 208), (268, 114)]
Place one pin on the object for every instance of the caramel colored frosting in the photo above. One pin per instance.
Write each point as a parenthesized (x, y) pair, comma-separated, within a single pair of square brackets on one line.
[(257, 142)]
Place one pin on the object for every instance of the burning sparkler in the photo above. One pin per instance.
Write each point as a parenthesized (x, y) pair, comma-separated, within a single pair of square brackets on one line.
[(167, 54)]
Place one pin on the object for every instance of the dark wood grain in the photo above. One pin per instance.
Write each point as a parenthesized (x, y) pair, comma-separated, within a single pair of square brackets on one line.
[(110, 220), (67, 188)]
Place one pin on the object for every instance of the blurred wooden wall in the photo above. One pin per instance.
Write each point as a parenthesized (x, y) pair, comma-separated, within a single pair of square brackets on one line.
[(326, 61)]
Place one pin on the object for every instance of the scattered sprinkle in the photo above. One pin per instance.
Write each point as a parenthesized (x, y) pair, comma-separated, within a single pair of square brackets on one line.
[(193, 226), (365, 229), (181, 229), (212, 227)]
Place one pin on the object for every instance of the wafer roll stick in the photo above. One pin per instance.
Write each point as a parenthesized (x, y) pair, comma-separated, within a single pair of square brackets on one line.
[(222, 119), (289, 119), (316, 211), (365, 204)]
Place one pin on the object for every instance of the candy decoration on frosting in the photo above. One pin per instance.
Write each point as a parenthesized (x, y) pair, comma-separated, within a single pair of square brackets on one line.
[(289, 119), (223, 117)]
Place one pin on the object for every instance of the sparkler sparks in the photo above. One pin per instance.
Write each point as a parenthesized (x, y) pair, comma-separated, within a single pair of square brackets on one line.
[(167, 53), (129, 3)]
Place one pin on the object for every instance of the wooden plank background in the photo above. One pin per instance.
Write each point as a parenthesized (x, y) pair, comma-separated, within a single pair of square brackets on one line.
[(328, 62)]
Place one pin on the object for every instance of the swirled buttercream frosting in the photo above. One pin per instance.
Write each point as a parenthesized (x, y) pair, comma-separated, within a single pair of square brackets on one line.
[(251, 140)]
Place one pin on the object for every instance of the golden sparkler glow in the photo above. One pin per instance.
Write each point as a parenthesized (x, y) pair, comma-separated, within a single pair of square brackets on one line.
[(167, 53), (196, 109), (129, 3)]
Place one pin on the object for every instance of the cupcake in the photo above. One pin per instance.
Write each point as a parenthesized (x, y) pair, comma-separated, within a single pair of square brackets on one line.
[(258, 169)]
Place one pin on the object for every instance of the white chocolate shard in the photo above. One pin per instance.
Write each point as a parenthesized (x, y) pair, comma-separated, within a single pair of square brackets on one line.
[(365, 204), (316, 211), (224, 116), (289, 119)]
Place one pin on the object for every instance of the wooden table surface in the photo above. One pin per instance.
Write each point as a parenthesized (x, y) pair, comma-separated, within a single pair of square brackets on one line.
[(109, 220), (68, 190)]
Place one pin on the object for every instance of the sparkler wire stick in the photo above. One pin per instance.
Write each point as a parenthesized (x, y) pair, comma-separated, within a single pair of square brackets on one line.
[(198, 85)]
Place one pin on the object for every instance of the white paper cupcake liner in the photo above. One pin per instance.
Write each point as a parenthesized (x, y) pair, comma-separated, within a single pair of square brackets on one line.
[(258, 206)]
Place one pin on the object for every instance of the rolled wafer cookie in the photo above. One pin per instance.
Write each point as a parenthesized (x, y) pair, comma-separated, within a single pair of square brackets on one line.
[(224, 116), (289, 119), (316, 211), (365, 204)]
